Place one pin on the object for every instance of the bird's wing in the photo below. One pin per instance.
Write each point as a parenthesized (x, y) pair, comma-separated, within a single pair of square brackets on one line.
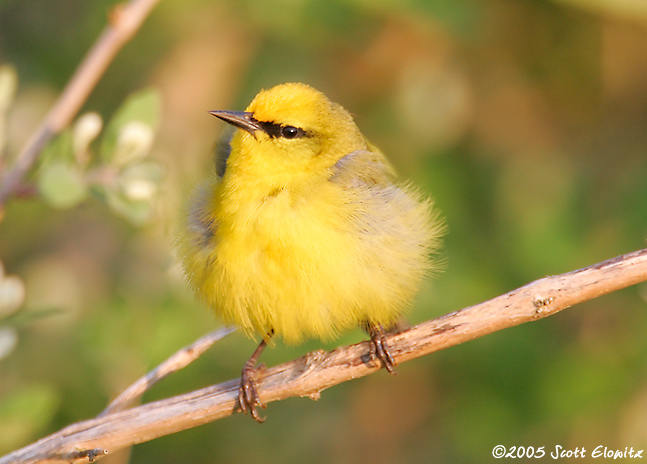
[(200, 224), (363, 167), (222, 151)]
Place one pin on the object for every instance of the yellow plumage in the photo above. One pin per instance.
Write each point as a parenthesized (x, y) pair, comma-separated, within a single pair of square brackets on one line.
[(310, 234)]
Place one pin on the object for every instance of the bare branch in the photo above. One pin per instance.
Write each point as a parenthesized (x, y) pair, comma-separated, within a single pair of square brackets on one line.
[(309, 375), (125, 20)]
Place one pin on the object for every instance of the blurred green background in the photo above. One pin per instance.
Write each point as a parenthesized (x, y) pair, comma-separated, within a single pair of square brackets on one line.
[(526, 120)]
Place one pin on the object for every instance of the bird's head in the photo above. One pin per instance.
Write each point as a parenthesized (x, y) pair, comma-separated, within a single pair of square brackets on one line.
[(290, 130)]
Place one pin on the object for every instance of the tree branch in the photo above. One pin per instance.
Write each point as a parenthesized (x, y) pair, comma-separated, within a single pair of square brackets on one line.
[(124, 21), (313, 373)]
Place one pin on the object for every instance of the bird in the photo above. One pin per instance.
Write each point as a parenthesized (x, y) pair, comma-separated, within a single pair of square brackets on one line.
[(305, 230)]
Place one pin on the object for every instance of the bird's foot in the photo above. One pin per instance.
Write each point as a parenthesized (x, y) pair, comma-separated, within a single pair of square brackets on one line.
[(380, 348), (248, 399)]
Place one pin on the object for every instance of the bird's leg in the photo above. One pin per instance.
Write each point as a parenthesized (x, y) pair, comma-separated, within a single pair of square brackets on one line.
[(379, 347), (247, 396)]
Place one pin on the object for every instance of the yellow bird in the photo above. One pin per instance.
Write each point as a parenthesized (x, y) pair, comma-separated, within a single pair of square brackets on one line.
[(305, 231)]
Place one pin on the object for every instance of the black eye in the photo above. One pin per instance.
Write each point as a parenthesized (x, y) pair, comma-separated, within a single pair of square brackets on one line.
[(290, 132)]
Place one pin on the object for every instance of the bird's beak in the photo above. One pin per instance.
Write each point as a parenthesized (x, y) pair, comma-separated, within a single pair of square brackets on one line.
[(241, 119)]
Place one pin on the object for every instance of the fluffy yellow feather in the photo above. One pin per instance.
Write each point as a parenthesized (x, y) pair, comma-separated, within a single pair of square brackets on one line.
[(307, 232)]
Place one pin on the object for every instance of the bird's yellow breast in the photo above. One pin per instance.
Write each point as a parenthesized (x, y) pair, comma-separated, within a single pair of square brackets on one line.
[(273, 259), (310, 264)]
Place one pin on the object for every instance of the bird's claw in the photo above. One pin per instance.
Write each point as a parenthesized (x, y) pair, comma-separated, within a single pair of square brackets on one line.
[(248, 399), (379, 348)]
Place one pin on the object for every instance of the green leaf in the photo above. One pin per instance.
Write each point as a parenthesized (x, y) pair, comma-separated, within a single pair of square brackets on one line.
[(62, 185), (137, 212), (143, 106), (24, 318), (60, 150)]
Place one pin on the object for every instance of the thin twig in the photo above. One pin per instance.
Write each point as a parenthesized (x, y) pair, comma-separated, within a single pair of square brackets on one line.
[(313, 373), (179, 360), (124, 21)]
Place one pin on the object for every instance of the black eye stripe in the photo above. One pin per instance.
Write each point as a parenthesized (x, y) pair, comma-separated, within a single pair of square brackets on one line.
[(277, 130)]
